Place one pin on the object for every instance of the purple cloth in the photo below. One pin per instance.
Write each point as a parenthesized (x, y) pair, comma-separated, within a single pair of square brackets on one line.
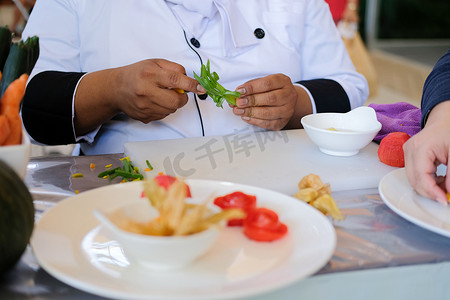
[(400, 116)]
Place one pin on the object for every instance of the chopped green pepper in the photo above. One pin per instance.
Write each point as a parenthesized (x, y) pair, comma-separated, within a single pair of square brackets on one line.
[(128, 175), (127, 172), (107, 172), (213, 88), (149, 165)]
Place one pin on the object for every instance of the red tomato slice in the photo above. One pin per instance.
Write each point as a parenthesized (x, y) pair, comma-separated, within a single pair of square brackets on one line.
[(262, 225), (237, 200), (166, 181)]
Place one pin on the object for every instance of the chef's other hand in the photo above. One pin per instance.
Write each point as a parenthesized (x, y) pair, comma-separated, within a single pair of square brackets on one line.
[(426, 150), (272, 102)]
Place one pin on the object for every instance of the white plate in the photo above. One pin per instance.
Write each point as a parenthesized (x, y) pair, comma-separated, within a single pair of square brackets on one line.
[(398, 194), (70, 244)]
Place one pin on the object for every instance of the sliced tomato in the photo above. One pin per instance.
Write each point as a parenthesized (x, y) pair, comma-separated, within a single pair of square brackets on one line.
[(262, 224), (166, 181), (237, 200)]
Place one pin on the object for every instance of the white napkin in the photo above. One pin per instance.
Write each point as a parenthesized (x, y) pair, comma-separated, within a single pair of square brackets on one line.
[(194, 15)]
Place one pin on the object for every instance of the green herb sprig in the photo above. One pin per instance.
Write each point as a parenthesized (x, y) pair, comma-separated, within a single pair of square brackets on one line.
[(213, 88)]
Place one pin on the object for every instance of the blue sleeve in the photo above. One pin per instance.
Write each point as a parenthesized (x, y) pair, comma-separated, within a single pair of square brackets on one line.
[(437, 86)]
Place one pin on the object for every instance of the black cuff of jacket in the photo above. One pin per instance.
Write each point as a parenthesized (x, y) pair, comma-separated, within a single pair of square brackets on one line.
[(329, 96), (47, 107)]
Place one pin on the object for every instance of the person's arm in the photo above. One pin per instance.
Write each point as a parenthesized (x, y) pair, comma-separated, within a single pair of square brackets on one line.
[(144, 91), (427, 149), (326, 58), (431, 146), (274, 102), (437, 87), (288, 102)]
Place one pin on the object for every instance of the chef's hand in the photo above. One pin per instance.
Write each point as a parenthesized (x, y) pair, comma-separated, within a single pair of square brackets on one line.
[(272, 102), (426, 150), (154, 88), (148, 90)]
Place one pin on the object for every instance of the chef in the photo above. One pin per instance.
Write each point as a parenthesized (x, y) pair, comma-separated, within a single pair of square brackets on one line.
[(110, 71)]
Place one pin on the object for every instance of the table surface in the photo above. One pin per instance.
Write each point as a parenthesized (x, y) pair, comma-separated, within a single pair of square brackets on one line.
[(371, 238)]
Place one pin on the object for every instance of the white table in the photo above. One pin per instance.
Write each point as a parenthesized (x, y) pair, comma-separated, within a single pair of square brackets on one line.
[(379, 255)]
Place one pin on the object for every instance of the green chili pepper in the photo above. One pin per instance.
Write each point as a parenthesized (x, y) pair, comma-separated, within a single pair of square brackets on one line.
[(149, 165), (112, 176), (127, 172), (213, 88), (107, 172), (128, 175), (126, 165)]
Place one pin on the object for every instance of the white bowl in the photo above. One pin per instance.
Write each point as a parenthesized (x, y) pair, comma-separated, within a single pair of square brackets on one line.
[(353, 130), (155, 252), (17, 156)]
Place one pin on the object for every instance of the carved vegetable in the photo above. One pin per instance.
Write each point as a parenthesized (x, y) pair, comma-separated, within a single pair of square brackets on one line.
[(390, 151)]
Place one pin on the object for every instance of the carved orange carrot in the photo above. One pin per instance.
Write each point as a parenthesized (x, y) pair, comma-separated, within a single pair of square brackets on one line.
[(10, 107), (4, 129)]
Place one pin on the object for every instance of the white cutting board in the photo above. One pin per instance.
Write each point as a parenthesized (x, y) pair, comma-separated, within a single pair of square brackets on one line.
[(275, 160)]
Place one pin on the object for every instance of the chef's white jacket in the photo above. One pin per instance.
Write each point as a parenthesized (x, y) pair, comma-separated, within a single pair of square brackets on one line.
[(300, 40)]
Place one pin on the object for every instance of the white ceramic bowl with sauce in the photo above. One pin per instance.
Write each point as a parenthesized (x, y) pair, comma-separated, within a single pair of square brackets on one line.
[(17, 156), (155, 252), (342, 134)]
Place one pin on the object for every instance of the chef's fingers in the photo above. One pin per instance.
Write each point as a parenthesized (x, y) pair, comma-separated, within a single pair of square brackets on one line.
[(263, 85), (173, 76)]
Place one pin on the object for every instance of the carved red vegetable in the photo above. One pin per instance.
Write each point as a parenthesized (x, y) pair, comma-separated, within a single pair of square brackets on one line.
[(390, 151), (237, 200), (263, 225)]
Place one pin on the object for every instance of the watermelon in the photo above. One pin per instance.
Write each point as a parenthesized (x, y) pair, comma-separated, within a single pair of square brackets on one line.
[(16, 217)]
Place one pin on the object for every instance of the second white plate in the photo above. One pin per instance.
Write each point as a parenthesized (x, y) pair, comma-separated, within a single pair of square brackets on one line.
[(398, 194), (70, 244)]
